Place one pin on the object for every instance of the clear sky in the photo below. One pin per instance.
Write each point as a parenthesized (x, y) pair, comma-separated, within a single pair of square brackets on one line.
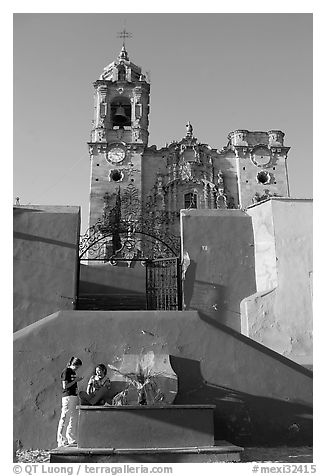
[(219, 71)]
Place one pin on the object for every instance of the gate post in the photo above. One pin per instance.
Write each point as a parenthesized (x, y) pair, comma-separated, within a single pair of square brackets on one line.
[(179, 285)]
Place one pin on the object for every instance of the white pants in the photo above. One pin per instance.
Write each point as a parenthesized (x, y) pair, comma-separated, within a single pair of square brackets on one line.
[(67, 428)]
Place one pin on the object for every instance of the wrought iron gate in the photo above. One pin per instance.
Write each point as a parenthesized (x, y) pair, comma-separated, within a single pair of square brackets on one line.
[(129, 232), (163, 284)]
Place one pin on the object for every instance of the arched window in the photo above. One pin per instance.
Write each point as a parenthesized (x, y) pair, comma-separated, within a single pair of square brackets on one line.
[(191, 200), (121, 73), (121, 112)]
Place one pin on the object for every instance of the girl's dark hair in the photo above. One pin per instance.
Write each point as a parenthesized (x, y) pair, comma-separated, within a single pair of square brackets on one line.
[(75, 361), (102, 367)]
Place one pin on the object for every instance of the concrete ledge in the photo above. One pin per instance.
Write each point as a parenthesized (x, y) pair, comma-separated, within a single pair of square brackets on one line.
[(136, 426), (145, 407), (221, 451)]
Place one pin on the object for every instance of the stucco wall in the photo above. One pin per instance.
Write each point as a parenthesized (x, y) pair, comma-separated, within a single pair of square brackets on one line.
[(45, 261), (221, 272), (279, 316), (256, 391)]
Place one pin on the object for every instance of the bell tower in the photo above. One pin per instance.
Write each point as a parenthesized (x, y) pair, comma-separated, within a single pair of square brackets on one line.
[(119, 134)]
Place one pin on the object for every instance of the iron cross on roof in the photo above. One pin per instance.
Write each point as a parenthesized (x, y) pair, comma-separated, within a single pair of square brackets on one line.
[(124, 34)]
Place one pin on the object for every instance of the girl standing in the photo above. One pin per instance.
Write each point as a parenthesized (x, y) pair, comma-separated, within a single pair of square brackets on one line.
[(66, 434)]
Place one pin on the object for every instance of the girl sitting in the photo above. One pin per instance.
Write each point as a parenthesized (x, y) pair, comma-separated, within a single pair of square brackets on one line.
[(97, 392)]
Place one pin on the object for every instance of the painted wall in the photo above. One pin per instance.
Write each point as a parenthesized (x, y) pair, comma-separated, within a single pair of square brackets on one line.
[(45, 261), (221, 272), (279, 316), (260, 397)]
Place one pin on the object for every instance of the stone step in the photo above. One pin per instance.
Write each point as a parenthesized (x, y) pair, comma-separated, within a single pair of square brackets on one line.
[(112, 302), (222, 451)]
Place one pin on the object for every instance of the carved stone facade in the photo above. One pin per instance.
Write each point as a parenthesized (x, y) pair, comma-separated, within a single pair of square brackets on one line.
[(184, 173)]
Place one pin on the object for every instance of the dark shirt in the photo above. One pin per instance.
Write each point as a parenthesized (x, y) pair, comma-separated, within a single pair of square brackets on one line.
[(68, 375)]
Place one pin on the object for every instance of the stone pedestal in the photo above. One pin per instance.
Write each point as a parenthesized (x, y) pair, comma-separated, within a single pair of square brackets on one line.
[(155, 432), (135, 426), (147, 434)]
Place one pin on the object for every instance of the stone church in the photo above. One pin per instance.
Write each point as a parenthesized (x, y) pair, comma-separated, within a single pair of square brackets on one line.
[(192, 252), (153, 185)]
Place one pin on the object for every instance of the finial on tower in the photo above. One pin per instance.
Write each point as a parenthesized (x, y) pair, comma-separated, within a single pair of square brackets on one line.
[(123, 55), (124, 34), (189, 129)]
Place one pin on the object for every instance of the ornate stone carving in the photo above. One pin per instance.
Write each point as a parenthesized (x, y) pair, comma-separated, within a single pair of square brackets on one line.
[(189, 130), (185, 171), (137, 134), (264, 196), (275, 137), (238, 137), (130, 170), (221, 199)]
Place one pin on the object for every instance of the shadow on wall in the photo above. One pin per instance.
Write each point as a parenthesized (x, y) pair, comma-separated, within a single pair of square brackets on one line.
[(41, 239), (19, 210), (106, 287), (189, 284), (240, 417), (255, 345), (206, 296), (104, 297)]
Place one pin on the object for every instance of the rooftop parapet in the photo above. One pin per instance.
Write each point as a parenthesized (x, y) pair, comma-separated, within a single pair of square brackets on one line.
[(243, 137)]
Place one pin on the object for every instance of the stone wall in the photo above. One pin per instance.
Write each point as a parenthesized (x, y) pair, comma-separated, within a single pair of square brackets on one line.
[(260, 397), (218, 247), (45, 261), (279, 316)]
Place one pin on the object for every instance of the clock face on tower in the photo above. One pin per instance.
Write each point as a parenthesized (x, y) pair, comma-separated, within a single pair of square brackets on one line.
[(261, 157), (116, 154)]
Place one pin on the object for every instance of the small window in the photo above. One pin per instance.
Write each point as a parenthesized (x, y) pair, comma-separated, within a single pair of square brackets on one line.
[(263, 177), (190, 200), (138, 111), (103, 107), (116, 176)]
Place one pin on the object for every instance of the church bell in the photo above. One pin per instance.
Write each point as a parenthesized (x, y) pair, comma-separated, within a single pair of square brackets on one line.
[(120, 116)]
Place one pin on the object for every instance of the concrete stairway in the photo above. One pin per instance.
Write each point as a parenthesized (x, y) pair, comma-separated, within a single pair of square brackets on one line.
[(112, 302)]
